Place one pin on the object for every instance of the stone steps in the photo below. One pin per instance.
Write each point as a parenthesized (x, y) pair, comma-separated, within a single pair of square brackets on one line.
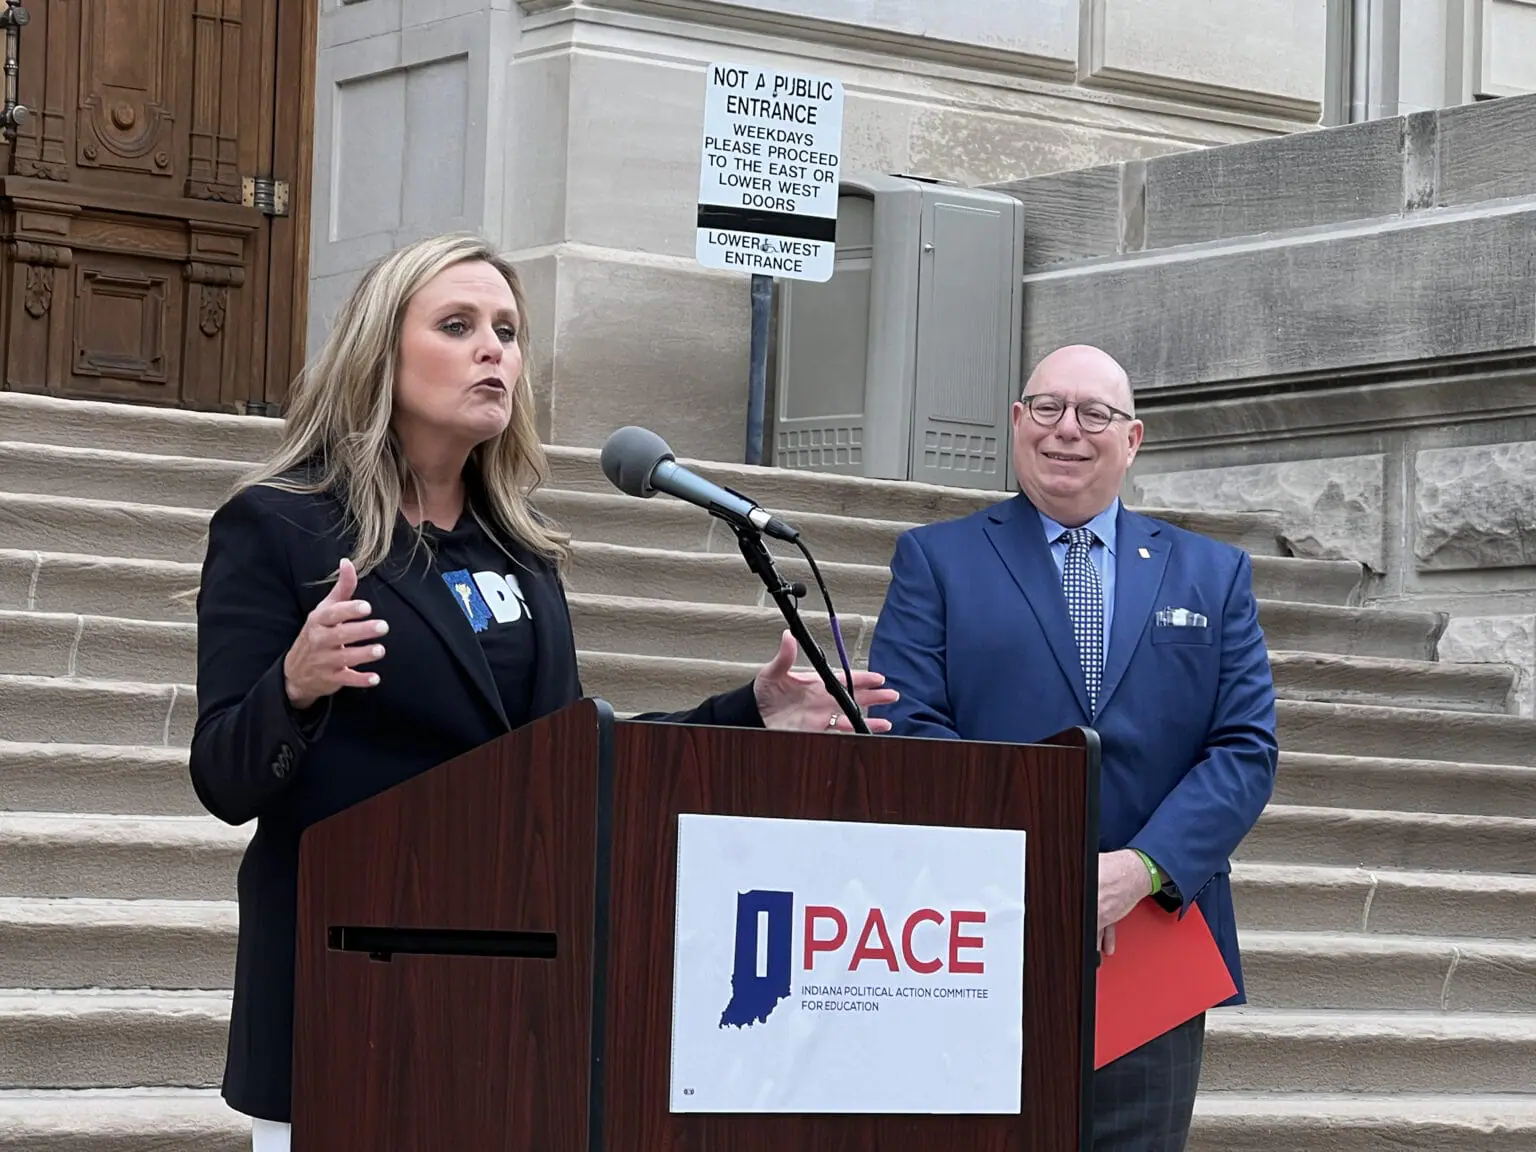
[(1387, 900), (715, 631), (103, 474), (1405, 733), (31, 425), (121, 779), (74, 710), (1319, 779), (47, 855), (1376, 900), (197, 1120), (63, 777), (113, 648), (81, 526), (1252, 1049), (95, 943), (30, 419), (97, 647), (45, 581), (44, 708), (1302, 970), (177, 1038), (112, 527), (1399, 1122), (121, 1120), (1293, 834), (190, 944), (112, 1038), (658, 683), (1346, 631), (717, 578)]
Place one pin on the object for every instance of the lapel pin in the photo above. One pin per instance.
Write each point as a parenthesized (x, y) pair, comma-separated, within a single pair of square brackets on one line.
[(1143, 553)]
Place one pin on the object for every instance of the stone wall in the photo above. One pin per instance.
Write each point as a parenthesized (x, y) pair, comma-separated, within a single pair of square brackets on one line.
[(569, 132), (1338, 325)]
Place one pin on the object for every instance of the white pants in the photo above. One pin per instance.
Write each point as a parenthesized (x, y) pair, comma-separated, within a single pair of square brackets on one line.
[(269, 1136)]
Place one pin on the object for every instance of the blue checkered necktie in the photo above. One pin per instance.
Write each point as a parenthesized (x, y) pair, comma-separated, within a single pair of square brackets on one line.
[(1085, 605)]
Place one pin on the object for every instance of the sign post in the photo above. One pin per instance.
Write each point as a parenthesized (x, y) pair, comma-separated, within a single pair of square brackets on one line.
[(768, 179)]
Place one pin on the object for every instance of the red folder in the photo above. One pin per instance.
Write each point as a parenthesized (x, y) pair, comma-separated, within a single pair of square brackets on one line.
[(1163, 971)]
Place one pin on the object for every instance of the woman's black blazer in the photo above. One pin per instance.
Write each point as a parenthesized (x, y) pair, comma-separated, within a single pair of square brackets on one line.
[(270, 559)]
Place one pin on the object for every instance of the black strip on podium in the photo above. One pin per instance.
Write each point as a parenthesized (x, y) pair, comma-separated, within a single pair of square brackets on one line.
[(784, 224), (1088, 1009), (387, 943), (602, 893)]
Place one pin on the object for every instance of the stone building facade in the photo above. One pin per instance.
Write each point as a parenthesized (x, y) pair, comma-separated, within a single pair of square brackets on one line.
[(569, 132), (1339, 325), (1333, 323)]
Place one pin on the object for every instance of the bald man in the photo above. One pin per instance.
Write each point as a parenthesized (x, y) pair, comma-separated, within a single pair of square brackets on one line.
[(1060, 607)]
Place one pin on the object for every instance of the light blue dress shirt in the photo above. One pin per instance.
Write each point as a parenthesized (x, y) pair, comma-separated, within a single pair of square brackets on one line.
[(1102, 555)]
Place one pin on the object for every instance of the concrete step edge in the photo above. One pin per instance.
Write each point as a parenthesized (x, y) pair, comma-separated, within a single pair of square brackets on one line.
[(148, 564), (1375, 663), (1261, 529), (683, 609), (1384, 944), (1372, 1108), (224, 915), (66, 453), (99, 620), (1325, 1025), (1386, 714), (91, 504), (126, 686), (1319, 875), (114, 829), (243, 433), (154, 753), (1444, 820), (82, 1002), (1344, 762), (64, 912), (153, 1118)]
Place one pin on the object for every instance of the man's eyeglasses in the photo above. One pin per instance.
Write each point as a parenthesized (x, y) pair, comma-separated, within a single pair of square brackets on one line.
[(1092, 415)]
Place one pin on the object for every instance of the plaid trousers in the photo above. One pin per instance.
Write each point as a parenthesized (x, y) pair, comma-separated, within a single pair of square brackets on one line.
[(1143, 1101)]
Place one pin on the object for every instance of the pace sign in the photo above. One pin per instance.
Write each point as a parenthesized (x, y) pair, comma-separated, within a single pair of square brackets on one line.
[(768, 179), (826, 966)]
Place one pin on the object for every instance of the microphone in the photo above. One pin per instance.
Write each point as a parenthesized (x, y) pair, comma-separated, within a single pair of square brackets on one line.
[(638, 461)]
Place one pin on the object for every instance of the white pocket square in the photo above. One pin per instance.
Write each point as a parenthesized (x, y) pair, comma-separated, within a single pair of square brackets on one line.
[(1180, 618)]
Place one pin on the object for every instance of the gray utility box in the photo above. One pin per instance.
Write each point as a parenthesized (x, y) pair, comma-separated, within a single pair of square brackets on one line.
[(903, 365)]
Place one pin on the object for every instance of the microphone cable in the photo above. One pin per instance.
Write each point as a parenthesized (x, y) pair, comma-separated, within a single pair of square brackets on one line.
[(837, 632)]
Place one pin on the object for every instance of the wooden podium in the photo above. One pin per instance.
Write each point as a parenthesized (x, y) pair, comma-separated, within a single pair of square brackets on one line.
[(485, 952)]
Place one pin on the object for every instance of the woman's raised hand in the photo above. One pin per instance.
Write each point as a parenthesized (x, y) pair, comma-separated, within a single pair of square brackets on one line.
[(337, 637)]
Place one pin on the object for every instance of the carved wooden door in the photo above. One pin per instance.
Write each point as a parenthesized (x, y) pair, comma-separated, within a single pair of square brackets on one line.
[(155, 201)]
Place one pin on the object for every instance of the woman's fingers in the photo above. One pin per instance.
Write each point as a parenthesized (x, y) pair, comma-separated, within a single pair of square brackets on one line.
[(358, 632), (327, 614), (354, 678), (338, 637)]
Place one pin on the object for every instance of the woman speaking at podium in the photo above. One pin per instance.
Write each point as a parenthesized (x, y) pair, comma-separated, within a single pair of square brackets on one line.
[(381, 596)]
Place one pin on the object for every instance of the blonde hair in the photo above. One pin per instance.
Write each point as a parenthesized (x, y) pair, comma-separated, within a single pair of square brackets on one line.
[(338, 430)]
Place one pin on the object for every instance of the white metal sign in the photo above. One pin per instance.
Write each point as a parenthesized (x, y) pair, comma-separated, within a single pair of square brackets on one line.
[(768, 178), (826, 967)]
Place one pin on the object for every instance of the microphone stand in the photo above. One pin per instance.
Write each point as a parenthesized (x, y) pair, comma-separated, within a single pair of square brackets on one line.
[(760, 560)]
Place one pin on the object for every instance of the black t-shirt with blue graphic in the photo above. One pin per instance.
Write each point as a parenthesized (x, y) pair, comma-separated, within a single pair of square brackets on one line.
[(483, 581)]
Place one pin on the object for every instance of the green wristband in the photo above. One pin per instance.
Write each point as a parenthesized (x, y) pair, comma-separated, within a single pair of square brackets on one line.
[(1157, 876)]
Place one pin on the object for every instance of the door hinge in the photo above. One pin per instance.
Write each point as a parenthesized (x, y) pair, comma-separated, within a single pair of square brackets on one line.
[(271, 196)]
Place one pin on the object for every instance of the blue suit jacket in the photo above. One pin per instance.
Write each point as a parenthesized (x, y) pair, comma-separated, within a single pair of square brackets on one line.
[(975, 635)]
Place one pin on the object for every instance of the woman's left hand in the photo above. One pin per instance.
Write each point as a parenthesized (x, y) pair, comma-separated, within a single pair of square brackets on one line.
[(800, 701)]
